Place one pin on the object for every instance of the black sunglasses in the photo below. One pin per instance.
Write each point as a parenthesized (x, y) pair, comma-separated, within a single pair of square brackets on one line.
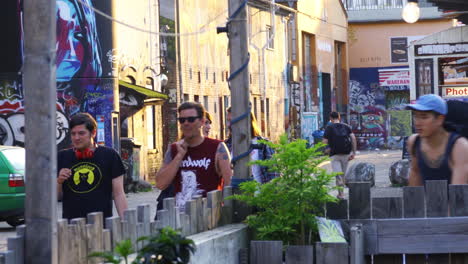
[(191, 119)]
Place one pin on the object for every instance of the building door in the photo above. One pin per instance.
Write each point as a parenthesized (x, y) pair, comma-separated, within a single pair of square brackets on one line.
[(326, 96)]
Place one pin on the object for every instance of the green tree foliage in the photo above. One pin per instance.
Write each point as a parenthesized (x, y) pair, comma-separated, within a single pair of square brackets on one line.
[(286, 207), (166, 247)]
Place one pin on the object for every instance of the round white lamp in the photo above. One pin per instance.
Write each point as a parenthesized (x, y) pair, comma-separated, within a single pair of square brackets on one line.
[(410, 12)]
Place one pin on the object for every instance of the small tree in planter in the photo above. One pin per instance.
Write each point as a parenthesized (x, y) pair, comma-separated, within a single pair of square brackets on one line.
[(166, 247), (286, 207)]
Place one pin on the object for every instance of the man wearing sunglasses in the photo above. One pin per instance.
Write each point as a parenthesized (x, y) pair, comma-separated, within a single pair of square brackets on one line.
[(195, 164)]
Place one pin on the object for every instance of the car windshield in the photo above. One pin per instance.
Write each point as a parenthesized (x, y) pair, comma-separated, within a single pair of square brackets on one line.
[(16, 157)]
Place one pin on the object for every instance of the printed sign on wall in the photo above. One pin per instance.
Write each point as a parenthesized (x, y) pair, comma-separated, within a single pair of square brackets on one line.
[(398, 49)]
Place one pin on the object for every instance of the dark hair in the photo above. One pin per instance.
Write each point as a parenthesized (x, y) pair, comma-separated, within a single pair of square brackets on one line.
[(192, 105), (83, 119), (334, 115)]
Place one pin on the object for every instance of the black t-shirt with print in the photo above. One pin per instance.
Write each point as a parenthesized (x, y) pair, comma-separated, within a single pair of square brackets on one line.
[(89, 188)]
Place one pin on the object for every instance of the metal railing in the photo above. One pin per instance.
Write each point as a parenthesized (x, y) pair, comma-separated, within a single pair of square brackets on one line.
[(355, 5)]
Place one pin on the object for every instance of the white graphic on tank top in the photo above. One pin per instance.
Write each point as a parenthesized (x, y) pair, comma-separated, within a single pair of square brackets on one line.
[(189, 188)]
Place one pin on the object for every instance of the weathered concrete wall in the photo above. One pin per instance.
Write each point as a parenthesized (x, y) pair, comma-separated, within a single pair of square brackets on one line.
[(220, 245)]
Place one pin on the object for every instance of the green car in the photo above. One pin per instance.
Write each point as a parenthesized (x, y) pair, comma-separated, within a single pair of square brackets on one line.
[(12, 193)]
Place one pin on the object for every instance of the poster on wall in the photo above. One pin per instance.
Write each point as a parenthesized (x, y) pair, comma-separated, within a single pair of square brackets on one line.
[(309, 124), (398, 49), (394, 79)]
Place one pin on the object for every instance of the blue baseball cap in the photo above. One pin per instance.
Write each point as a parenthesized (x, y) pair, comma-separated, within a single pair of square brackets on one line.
[(429, 102)]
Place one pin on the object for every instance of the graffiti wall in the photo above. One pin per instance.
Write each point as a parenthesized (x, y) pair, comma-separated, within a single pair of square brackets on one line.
[(82, 82), (377, 114)]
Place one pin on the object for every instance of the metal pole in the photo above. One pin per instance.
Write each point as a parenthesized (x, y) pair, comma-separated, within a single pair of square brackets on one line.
[(357, 244), (39, 85), (240, 91)]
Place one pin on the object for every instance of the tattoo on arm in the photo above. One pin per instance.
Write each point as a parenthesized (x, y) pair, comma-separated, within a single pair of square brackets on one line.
[(168, 156), (225, 157), (222, 148)]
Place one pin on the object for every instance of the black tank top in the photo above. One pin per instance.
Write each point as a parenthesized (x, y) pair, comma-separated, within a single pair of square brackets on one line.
[(443, 172)]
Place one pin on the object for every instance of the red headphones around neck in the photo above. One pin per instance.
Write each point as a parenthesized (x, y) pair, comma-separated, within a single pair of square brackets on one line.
[(84, 154)]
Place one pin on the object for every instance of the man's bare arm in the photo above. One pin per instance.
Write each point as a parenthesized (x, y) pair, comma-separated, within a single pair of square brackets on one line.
[(120, 200), (460, 162), (168, 171), (223, 163), (354, 144), (415, 178)]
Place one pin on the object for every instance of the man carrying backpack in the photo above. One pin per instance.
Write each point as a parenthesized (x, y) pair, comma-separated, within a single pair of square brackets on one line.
[(436, 154), (342, 143)]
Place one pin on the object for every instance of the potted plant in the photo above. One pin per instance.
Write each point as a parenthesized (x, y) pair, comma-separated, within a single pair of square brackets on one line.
[(286, 207), (166, 247)]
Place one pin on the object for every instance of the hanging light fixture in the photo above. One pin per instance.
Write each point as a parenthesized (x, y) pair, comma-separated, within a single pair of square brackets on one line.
[(410, 12)]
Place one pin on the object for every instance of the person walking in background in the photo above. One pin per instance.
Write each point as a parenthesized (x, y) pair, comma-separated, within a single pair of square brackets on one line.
[(195, 164), (228, 140), (436, 154), (260, 151), (207, 125), (90, 176), (342, 147)]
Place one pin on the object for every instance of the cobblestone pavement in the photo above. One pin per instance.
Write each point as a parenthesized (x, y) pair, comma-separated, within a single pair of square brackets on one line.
[(382, 160)]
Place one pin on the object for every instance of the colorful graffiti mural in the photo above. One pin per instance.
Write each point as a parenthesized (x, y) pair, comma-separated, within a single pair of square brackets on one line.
[(374, 125), (80, 83)]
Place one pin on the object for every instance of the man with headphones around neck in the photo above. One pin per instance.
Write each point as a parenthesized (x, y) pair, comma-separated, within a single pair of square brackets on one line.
[(90, 176)]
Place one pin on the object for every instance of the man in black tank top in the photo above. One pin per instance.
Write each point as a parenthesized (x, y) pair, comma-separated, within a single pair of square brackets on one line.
[(436, 154)]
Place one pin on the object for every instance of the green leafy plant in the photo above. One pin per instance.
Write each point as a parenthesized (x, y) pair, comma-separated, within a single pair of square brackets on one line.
[(168, 247), (286, 207), (122, 250)]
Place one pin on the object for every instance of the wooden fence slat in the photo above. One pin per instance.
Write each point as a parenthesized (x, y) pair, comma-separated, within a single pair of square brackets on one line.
[(170, 205), (191, 211), (458, 204), (106, 240), (94, 234), (423, 236), (413, 200), (359, 200), (140, 233), (331, 253), (388, 207), (144, 217), (214, 202), (436, 199), (207, 216), (74, 243), (62, 240), (115, 227), (125, 229), (2, 258), (266, 252), (227, 209), (130, 215), (185, 223), (163, 218), (199, 213), (337, 210), (437, 206), (299, 254), (16, 245), (357, 244), (82, 249), (458, 198)]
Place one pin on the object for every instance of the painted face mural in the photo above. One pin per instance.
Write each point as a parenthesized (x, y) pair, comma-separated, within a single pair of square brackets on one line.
[(78, 51)]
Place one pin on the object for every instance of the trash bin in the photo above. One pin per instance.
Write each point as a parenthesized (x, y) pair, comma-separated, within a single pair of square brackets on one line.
[(130, 153)]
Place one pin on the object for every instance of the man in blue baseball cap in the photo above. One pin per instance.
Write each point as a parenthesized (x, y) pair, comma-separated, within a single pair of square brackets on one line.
[(436, 154)]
